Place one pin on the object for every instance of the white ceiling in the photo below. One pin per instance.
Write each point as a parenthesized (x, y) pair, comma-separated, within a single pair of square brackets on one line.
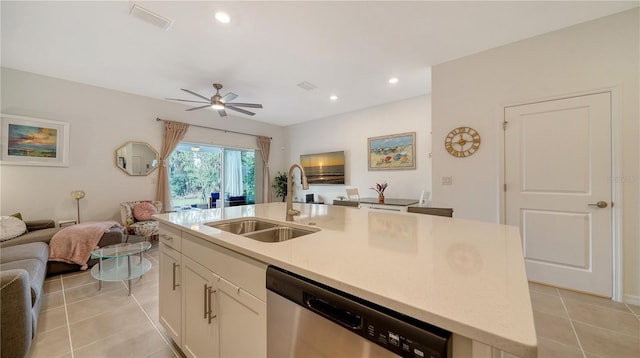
[(349, 49)]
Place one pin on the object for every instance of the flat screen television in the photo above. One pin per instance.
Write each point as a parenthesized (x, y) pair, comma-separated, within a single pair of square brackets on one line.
[(324, 168)]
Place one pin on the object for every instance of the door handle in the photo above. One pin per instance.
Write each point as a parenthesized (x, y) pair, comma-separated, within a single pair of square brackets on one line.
[(206, 289), (174, 284), (601, 204), (211, 291)]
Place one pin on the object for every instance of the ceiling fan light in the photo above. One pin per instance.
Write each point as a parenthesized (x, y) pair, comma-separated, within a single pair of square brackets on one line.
[(217, 106)]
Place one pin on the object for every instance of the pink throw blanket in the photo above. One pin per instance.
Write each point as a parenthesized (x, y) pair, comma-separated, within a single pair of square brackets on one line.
[(74, 244)]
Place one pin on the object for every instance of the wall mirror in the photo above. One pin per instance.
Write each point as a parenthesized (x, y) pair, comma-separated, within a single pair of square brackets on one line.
[(137, 158)]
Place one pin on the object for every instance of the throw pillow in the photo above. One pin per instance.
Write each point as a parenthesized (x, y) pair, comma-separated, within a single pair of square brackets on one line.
[(144, 211), (11, 227), (17, 215)]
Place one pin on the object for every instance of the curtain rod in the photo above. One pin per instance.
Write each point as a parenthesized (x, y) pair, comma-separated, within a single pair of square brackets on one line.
[(218, 129)]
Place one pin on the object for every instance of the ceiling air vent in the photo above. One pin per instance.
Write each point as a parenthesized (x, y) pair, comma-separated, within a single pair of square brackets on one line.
[(150, 17), (307, 86)]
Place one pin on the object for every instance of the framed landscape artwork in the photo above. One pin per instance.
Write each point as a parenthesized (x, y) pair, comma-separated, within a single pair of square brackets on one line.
[(392, 152), (34, 141)]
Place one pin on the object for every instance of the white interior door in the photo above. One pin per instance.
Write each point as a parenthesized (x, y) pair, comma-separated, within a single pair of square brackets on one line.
[(557, 168)]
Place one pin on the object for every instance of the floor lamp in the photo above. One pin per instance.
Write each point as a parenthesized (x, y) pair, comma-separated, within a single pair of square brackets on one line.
[(78, 194)]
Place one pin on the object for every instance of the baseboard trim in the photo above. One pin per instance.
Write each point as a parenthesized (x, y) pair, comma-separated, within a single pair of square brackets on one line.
[(634, 300)]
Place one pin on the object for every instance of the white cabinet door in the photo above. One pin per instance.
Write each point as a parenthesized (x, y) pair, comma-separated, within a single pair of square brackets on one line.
[(243, 322), (199, 310), (170, 292)]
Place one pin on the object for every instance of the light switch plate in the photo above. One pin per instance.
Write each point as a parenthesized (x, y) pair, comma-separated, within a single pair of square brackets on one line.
[(447, 180)]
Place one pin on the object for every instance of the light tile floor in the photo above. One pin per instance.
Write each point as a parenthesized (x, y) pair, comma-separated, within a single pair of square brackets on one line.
[(570, 324), (77, 320)]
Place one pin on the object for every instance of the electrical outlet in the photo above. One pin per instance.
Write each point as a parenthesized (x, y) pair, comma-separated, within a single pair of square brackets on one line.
[(447, 180)]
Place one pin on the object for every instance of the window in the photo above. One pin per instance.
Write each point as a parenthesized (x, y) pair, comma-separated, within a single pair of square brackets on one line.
[(198, 173)]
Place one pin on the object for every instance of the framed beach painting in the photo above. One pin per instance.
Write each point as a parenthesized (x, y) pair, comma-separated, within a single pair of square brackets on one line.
[(34, 141), (392, 152)]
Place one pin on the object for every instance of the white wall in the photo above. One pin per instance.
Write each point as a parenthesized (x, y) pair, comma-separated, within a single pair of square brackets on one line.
[(349, 132), (101, 120), (469, 91)]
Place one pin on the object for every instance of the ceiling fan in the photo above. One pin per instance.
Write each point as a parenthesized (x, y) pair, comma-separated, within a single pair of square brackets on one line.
[(219, 102)]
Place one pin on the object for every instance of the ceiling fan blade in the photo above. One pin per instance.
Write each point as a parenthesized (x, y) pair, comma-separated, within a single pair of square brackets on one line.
[(201, 107), (229, 97), (251, 105), (238, 110), (185, 100), (222, 113), (195, 94)]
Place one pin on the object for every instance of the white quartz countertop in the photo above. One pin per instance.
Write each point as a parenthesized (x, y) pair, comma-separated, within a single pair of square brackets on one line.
[(465, 276)]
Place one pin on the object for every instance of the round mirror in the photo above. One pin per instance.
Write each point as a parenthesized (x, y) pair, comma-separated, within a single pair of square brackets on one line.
[(137, 158)]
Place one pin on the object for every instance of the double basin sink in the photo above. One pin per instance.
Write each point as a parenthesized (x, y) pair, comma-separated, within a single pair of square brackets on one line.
[(262, 230)]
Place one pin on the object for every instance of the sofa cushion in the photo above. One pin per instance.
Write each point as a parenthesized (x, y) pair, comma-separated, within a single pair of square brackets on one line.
[(33, 225), (11, 227), (16, 324), (144, 211), (36, 270), (38, 250), (32, 236), (17, 215)]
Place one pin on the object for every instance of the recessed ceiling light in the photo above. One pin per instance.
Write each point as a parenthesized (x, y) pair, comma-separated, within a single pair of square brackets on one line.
[(222, 17), (333, 97), (393, 80)]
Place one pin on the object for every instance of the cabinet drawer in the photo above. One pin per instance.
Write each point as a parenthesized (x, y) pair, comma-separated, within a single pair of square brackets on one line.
[(171, 237), (240, 270)]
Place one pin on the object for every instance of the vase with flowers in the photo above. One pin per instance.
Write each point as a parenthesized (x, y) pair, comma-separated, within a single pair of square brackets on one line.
[(380, 190)]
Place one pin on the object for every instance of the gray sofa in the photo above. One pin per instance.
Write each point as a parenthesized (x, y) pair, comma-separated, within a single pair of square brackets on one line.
[(24, 264), (43, 231), (23, 269)]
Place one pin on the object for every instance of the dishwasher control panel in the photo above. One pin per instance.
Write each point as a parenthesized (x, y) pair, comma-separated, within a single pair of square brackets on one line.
[(406, 343)]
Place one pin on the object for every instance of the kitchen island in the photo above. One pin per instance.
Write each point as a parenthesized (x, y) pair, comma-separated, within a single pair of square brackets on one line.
[(467, 277)]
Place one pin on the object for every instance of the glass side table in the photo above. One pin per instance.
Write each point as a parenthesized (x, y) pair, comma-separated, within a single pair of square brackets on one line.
[(120, 262)]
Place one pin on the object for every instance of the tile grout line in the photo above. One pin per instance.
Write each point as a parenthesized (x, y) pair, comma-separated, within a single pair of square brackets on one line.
[(66, 316), (155, 327), (584, 354), (632, 311)]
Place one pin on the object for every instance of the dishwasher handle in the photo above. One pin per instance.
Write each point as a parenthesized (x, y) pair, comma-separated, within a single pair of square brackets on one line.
[(333, 312)]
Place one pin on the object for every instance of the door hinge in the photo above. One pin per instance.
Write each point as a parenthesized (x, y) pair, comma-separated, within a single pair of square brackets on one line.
[(505, 188), (504, 125)]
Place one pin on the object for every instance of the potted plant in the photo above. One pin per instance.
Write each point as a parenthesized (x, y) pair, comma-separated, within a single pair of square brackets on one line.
[(380, 190), (280, 185)]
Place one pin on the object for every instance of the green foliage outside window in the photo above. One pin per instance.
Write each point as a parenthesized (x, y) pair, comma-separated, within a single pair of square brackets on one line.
[(249, 169), (193, 176)]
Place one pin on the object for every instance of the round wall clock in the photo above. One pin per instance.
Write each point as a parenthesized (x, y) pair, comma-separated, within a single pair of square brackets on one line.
[(462, 142)]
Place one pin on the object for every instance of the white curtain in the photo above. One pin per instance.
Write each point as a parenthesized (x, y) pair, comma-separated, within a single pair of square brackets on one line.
[(233, 173)]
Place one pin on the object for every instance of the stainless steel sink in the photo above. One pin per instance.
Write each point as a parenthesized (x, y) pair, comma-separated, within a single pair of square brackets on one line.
[(243, 226), (261, 230), (277, 234)]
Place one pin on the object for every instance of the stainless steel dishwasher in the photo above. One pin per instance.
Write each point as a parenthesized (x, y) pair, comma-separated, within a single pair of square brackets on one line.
[(309, 319)]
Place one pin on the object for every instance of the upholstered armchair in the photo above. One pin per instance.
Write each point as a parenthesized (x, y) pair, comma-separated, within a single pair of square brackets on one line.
[(137, 217)]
